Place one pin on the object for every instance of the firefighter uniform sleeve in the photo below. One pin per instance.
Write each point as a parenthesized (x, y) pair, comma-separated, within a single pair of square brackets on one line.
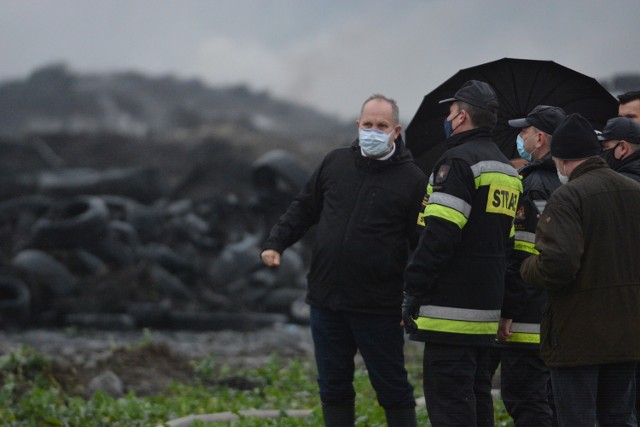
[(445, 214), (560, 243), (517, 292)]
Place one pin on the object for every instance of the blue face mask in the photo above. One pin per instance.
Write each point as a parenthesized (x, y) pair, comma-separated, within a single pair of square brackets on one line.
[(374, 143), (523, 153), (448, 126)]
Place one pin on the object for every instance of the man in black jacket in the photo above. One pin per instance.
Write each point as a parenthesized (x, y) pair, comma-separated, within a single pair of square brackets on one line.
[(620, 141), (454, 282), (364, 200), (524, 379)]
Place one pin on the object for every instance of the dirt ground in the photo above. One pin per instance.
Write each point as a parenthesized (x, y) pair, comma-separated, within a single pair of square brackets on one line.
[(147, 362)]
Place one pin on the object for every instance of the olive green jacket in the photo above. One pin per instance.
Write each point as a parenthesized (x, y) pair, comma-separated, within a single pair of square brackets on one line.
[(588, 239)]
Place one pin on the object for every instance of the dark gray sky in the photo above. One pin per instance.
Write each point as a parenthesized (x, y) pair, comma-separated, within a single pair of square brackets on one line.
[(330, 54)]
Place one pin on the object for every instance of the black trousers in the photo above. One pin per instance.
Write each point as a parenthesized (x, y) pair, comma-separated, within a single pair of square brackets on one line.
[(525, 385), (457, 385), (605, 393)]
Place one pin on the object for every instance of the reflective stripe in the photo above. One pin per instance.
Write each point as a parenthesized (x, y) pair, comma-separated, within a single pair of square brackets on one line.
[(512, 231), (521, 337), (499, 179), (455, 313), (446, 213), (526, 236), (448, 207), (450, 201), (458, 320), (525, 333), (490, 172), (525, 242), (457, 326), (527, 247), (488, 166), (530, 328), (540, 205)]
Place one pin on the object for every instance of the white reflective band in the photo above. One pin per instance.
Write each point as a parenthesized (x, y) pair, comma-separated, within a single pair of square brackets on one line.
[(452, 202), (431, 179), (540, 205), (453, 313), (529, 328), (493, 166), (525, 236)]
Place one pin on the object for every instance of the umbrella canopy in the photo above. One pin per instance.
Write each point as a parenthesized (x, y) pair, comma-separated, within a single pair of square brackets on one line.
[(520, 85)]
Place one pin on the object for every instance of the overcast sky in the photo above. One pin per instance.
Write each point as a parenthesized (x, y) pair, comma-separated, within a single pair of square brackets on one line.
[(330, 54)]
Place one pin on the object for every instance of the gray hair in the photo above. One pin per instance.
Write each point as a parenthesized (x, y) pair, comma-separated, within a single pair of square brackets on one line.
[(394, 106)]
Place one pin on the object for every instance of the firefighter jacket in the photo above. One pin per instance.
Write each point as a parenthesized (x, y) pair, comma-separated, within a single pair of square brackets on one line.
[(365, 211), (524, 303), (457, 270), (587, 239)]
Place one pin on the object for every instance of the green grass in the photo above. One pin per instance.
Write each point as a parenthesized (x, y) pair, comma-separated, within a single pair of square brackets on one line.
[(31, 396)]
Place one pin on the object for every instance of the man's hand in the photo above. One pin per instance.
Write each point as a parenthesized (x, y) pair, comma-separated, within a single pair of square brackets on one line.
[(504, 329), (270, 258), (410, 312)]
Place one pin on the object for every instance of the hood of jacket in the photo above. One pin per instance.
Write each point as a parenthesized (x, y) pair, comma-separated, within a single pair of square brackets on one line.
[(543, 163), (401, 155), (466, 136)]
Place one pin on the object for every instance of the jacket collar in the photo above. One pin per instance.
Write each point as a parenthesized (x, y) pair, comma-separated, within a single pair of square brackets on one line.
[(545, 163), (401, 155), (591, 164), (466, 136)]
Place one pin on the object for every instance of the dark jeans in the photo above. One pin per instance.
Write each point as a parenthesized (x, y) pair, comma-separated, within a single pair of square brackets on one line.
[(457, 385), (603, 392), (338, 335), (526, 387)]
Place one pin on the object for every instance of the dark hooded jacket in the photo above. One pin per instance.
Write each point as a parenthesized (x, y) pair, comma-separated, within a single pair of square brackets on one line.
[(365, 211), (588, 239), (630, 167)]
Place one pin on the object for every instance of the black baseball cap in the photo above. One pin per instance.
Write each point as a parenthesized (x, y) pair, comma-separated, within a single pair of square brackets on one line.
[(477, 93), (621, 128), (543, 117), (574, 138)]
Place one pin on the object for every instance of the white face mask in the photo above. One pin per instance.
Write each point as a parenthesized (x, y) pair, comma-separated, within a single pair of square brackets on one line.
[(374, 143), (563, 178)]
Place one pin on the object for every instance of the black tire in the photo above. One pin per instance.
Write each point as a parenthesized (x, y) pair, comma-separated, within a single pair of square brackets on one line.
[(71, 223), (168, 284), (217, 321), (15, 303), (144, 184), (18, 206), (118, 246), (279, 170), (236, 260), (167, 258), (149, 314), (101, 321), (43, 271)]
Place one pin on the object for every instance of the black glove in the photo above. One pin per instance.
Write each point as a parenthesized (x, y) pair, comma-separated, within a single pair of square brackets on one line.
[(410, 312)]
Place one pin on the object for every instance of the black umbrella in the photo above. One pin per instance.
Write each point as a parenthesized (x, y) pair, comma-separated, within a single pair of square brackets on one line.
[(520, 84)]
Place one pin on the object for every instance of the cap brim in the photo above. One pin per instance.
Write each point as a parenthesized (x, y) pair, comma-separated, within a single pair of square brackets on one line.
[(519, 123), (447, 100)]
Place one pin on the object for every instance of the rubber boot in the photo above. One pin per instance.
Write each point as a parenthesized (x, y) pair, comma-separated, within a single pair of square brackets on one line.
[(339, 416), (402, 417)]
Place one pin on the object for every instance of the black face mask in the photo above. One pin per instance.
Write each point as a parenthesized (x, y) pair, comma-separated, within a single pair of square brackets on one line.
[(610, 158)]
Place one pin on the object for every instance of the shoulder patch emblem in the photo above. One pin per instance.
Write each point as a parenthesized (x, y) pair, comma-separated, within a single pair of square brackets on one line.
[(441, 175)]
